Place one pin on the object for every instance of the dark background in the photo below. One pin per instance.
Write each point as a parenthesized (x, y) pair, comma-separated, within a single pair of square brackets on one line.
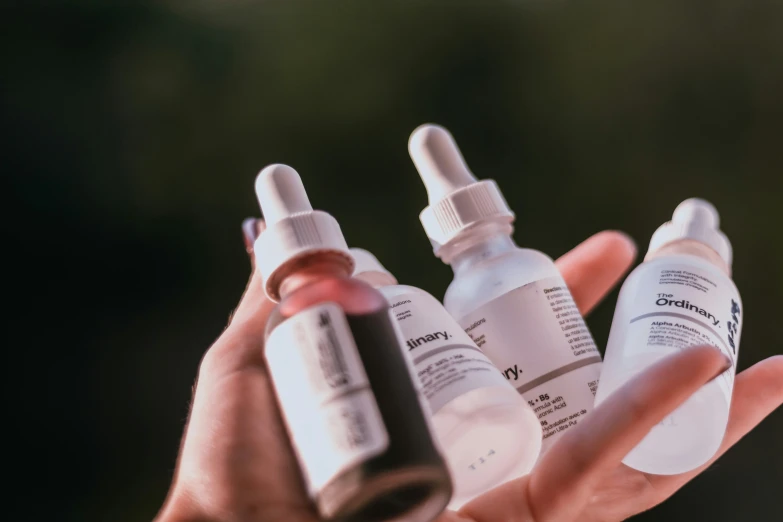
[(132, 133)]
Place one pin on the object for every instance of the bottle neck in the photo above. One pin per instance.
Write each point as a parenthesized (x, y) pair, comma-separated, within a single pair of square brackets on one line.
[(474, 246), (690, 247), (311, 269)]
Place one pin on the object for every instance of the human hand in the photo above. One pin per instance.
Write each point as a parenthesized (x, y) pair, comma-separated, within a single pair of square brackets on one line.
[(236, 464)]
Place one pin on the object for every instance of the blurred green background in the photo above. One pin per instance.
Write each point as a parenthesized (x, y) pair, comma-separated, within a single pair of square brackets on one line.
[(133, 131)]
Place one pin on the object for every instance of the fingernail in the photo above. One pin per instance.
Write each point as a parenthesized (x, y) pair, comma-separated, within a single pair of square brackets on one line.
[(727, 364), (630, 243), (251, 228)]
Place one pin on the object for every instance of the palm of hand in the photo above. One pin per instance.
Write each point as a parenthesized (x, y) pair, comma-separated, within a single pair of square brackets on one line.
[(235, 463)]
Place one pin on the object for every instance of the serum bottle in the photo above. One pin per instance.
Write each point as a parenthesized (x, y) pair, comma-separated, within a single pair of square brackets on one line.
[(344, 385), (681, 296), (487, 431), (512, 301)]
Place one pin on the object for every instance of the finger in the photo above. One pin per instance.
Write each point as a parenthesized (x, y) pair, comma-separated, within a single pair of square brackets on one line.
[(234, 361), (758, 391), (595, 266), (248, 320), (235, 456), (562, 482), (564, 479)]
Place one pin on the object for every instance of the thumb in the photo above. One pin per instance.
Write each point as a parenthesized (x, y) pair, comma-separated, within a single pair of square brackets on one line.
[(234, 455), (242, 341)]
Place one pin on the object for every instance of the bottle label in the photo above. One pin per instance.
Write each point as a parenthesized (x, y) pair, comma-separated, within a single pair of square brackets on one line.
[(537, 338), (324, 394), (446, 361), (681, 305)]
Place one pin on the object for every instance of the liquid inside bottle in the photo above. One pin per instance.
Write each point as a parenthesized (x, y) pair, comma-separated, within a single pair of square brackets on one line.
[(346, 393)]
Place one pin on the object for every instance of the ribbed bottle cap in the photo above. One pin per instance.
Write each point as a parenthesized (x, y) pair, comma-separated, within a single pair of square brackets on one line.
[(457, 200), (694, 219), (369, 269), (293, 228)]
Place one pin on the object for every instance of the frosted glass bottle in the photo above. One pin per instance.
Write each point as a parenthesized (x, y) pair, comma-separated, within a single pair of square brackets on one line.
[(487, 432), (681, 296), (512, 301)]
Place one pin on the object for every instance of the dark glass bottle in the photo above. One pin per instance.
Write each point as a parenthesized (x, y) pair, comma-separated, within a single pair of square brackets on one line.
[(409, 479)]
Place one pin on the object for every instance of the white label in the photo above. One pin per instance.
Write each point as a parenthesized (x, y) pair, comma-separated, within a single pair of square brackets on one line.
[(423, 402), (678, 306), (537, 338), (326, 400), (446, 361)]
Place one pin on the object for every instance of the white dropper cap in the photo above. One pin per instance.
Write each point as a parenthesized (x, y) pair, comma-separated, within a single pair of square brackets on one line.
[(694, 219), (369, 269), (457, 200), (293, 228)]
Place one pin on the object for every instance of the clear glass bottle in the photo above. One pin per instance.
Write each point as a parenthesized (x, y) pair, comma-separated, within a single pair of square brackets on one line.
[(344, 385), (681, 296), (487, 431), (512, 301)]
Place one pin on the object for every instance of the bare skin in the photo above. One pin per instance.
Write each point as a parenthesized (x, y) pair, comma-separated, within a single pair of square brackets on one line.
[(236, 465)]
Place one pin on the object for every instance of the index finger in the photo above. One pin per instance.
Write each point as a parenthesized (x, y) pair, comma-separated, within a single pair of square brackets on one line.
[(566, 475), (563, 481)]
